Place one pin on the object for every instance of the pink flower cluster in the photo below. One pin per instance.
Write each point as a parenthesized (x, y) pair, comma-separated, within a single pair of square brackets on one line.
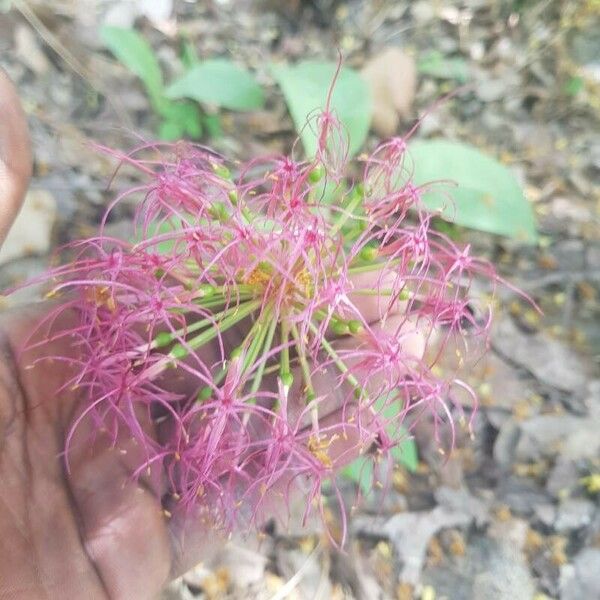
[(273, 320)]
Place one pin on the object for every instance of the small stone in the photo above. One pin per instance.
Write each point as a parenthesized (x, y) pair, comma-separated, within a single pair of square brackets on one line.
[(550, 361), (592, 257), (569, 254), (410, 534), (312, 566), (177, 590), (520, 495), (584, 443), (244, 566), (545, 514), (423, 11), (574, 514), (542, 435), (462, 500), (506, 444), (30, 233), (506, 574), (491, 90), (563, 478), (581, 580), (196, 576)]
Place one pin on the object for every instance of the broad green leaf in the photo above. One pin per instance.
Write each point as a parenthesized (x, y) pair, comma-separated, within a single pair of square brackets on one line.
[(212, 124), (406, 454), (130, 48), (473, 190), (189, 56), (305, 87), (360, 471), (170, 131), (435, 64), (186, 115), (219, 82)]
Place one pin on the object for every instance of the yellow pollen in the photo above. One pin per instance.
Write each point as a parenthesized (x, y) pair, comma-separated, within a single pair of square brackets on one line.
[(258, 277), (304, 282), (101, 296), (52, 294), (318, 448)]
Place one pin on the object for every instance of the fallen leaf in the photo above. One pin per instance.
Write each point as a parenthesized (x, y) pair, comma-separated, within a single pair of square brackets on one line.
[(392, 78)]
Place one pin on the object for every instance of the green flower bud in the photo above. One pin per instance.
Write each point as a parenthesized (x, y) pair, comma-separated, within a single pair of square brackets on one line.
[(369, 253), (207, 290), (339, 327), (355, 326), (178, 352), (316, 174), (222, 171), (162, 339), (205, 393), (287, 379)]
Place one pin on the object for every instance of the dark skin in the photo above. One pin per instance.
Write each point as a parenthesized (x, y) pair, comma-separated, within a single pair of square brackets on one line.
[(91, 532)]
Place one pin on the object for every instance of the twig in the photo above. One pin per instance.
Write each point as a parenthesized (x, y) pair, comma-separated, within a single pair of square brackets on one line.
[(71, 61)]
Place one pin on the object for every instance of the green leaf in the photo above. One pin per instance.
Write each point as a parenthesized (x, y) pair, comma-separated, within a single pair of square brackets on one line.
[(219, 82), (186, 115), (488, 197), (130, 48), (189, 56), (435, 64), (212, 124), (360, 471), (170, 131), (574, 85), (406, 454), (305, 87)]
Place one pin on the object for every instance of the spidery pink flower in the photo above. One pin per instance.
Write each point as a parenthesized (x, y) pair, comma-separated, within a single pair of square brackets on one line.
[(302, 326)]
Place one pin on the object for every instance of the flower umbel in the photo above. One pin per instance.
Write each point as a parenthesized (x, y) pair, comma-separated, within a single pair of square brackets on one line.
[(282, 319)]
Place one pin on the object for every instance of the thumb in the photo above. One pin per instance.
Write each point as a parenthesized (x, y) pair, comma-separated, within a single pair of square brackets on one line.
[(15, 155)]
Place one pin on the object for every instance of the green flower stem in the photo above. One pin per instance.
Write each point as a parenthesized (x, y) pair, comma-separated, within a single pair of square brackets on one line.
[(284, 358), (261, 367), (234, 316), (373, 266), (256, 340), (339, 363), (164, 338), (403, 295), (346, 214), (220, 301), (303, 363)]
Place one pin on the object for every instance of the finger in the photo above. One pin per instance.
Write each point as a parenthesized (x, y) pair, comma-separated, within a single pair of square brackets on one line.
[(376, 294), (411, 341), (15, 155)]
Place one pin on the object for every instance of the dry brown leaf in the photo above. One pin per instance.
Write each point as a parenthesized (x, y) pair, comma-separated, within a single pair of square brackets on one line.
[(392, 78)]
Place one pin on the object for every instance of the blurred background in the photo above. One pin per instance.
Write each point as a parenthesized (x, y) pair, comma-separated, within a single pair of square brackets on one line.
[(514, 513)]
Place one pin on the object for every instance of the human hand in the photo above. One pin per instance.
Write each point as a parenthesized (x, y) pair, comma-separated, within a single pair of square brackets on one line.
[(93, 531)]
